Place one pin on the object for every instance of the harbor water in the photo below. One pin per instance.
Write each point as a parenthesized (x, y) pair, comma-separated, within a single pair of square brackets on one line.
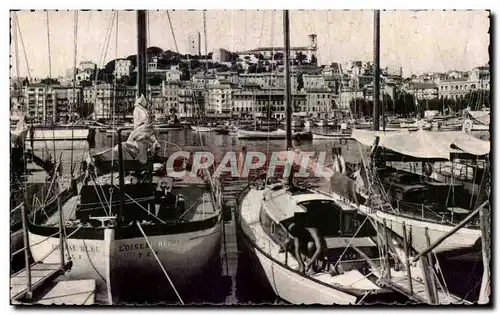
[(232, 280)]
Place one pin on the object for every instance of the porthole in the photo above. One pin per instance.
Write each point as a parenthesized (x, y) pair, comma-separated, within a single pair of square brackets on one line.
[(273, 228)]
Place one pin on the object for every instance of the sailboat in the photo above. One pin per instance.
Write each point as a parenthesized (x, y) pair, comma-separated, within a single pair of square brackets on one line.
[(401, 197), (418, 200), (131, 225), (269, 219)]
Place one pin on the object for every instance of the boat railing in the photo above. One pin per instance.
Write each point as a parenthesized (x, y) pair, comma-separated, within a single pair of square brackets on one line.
[(420, 211)]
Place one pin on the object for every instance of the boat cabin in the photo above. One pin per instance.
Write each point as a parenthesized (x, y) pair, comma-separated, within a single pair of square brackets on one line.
[(144, 201), (425, 197)]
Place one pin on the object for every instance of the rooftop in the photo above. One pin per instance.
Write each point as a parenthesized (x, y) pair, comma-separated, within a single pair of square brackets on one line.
[(422, 86)]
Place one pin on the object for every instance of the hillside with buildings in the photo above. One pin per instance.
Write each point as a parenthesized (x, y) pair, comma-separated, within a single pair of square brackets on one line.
[(247, 84)]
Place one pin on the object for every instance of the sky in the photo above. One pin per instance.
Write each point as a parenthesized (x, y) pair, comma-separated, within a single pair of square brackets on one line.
[(417, 41)]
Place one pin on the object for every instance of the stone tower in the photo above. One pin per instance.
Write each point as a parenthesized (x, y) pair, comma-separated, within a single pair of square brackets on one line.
[(313, 47)]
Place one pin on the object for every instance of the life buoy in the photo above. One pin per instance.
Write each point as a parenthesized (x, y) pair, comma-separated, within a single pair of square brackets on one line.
[(467, 126), (428, 169)]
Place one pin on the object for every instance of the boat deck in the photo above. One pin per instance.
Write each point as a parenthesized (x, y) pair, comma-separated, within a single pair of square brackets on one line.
[(400, 283), (349, 280)]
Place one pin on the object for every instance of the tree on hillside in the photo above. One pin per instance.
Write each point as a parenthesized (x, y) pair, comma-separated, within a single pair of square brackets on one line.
[(154, 51), (133, 59), (300, 57), (278, 56), (233, 57), (155, 80), (194, 64), (110, 66), (85, 83), (237, 67), (50, 81), (168, 54)]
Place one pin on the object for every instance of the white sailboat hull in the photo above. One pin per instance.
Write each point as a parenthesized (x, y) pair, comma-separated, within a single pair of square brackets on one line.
[(280, 269), (201, 129), (247, 134), (339, 135), (59, 134), (184, 256), (295, 289), (463, 238)]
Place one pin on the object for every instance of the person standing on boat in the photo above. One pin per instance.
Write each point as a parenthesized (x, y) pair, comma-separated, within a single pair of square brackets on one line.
[(143, 136)]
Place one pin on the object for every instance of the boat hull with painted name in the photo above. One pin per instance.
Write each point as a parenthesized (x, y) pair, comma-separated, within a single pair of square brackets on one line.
[(184, 255)]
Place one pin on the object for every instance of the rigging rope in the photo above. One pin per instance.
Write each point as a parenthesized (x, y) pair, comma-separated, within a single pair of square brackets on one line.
[(103, 55), (16, 48), (48, 84), (22, 44), (113, 111), (159, 262), (173, 34), (72, 108)]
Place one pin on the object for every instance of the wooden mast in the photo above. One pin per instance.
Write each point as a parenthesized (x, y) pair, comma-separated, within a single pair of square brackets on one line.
[(376, 72), (288, 97), (141, 53), (141, 90)]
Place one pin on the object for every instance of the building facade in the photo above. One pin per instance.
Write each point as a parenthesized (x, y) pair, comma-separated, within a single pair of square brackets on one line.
[(110, 101), (423, 91), (219, 99), (40, 103), (170, 92), (123, 67), (457, 89), (320, 103)]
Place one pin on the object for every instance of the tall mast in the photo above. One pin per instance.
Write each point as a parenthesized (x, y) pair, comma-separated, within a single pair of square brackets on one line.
[(376, 72), (288, 97), (141, 53)]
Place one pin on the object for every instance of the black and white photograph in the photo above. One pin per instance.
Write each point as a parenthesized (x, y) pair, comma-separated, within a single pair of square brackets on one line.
[(250, 157)]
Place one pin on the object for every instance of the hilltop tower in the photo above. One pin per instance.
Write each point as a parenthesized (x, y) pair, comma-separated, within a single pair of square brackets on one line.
[(313, 47)]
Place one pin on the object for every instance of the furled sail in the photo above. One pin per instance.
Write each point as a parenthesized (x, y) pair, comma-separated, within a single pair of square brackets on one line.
[(141, 142)]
